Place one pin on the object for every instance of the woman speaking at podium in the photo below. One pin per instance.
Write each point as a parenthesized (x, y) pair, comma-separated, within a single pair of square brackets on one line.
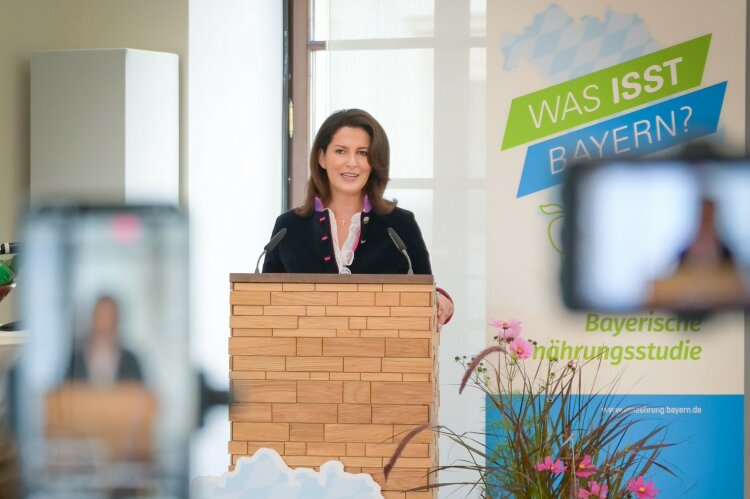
[(343, 225)]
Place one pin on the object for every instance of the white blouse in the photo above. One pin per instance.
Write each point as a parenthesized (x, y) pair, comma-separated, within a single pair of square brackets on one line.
[(345, 254)]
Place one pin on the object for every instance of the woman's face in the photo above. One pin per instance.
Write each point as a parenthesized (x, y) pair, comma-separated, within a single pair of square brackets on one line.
[(104, 323), (346, 162)]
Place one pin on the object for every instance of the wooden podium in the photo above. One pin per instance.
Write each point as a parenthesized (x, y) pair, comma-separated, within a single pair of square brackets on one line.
[(336, 367)]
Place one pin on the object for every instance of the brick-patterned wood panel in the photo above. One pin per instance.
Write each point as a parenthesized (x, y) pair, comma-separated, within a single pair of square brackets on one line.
[(335, 367)]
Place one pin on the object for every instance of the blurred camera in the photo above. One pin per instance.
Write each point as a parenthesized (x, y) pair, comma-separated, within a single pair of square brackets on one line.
[(667, 233), (103, 397)]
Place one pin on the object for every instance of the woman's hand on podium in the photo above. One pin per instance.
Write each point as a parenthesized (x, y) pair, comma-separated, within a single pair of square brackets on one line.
[(444, 310)]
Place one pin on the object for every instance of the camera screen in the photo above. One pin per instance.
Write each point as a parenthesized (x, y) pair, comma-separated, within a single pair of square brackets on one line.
[(661, 234), (104, 402)]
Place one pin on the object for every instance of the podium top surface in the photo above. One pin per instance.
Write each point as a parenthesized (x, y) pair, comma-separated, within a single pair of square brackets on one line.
[(335, 278)]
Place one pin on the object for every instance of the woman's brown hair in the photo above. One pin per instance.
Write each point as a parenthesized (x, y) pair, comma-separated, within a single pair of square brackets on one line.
[(378, 155)]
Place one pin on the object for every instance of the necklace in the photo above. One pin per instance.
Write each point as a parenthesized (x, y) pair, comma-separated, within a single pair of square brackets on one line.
[(343, 221)]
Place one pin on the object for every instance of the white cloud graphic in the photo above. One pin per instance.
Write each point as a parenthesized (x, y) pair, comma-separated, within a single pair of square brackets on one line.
[(265, 475)]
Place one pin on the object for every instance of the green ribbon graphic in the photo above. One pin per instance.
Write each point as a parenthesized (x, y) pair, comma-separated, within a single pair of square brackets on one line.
[(606, 92)]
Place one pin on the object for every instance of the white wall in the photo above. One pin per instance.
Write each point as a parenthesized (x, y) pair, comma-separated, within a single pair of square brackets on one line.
[(234, 183)]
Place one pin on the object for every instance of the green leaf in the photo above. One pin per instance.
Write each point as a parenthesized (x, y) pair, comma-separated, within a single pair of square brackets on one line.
[(6, 274), (551, 209)]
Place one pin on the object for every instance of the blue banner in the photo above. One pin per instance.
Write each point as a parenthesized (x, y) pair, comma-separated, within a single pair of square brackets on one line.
[(644, 131), (707, 433)]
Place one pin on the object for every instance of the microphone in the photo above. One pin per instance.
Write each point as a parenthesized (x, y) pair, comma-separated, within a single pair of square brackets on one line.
[(276, 239), (9, 248), (400, 246)]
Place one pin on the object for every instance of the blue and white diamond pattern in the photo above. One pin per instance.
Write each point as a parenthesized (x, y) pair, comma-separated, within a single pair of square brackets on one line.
[(563, 49)]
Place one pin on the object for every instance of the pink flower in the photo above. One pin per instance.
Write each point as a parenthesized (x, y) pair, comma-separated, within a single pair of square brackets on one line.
[(509, 330), (521, 348), (641, 489), (585, 468), (548, 464), (596, 490)]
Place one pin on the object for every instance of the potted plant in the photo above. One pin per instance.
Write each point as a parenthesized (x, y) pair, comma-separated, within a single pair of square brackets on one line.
[(555, 437)]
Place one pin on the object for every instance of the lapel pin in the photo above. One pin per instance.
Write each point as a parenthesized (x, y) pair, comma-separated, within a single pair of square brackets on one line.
[(366, 219)]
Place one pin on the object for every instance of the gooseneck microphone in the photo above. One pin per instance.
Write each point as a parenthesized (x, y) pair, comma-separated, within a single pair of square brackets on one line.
[(400, 246), (276, 239)]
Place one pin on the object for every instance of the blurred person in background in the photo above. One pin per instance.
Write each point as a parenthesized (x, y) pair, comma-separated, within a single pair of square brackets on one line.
[(102, 360)]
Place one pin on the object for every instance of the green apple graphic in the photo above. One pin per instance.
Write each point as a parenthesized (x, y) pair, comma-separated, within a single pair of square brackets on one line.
[(554, 211)]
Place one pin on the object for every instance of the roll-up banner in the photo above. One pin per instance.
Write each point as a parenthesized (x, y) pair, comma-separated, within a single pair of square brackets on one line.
[(574, 80)]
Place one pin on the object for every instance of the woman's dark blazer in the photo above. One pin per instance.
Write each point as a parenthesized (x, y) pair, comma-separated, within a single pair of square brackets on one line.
[(129, 369), (308, 245)]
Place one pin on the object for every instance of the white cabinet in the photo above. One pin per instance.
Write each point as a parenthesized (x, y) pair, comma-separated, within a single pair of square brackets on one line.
[(105, 126)]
